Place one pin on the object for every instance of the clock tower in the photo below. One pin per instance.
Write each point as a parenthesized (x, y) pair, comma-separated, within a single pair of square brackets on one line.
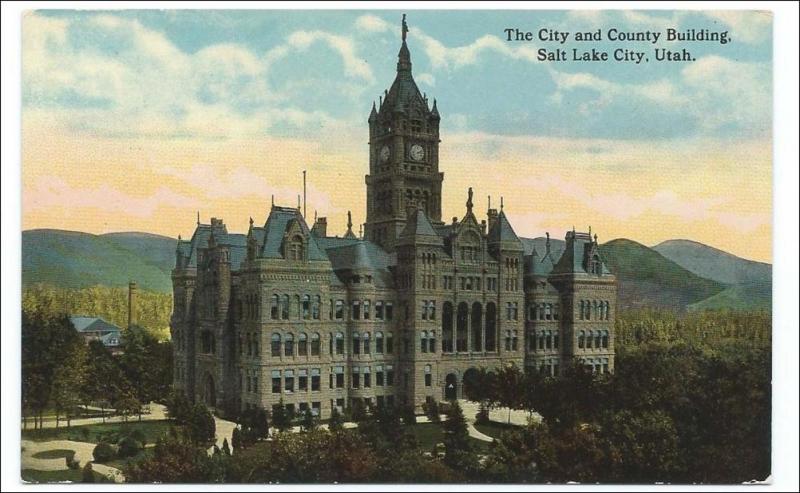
[(403, 156)]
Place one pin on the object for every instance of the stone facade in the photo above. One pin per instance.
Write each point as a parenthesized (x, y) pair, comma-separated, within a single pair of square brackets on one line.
[(289, 314)]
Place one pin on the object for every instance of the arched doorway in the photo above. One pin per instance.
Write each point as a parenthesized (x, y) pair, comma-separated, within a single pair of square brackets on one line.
[(451, 387), (470, 384), (210, 391)]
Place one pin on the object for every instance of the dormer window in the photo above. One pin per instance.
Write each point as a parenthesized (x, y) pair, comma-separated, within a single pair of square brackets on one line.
[(295, 249), (596, 268)]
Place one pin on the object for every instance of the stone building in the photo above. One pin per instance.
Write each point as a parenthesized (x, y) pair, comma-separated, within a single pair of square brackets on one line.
[(288, 313)]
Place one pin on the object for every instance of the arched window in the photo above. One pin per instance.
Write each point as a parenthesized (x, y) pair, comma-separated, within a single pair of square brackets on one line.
[(276, 345), (447, 327), (285, 307), (477, 322), (582, 339), (367, 348), (273, 309), (379, 342), (423, 341), (306, 308), (302, 344), (605, 339), (316, 307), (356, 343), (461, 327), (339, 343), (315, 344), (608, 310), (597, 339), (490, 330), (288, 346), (589, 339)]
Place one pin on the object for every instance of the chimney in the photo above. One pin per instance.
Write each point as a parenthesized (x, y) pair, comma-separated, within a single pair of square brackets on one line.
[(492, 215), (320, 229), (132, 318)]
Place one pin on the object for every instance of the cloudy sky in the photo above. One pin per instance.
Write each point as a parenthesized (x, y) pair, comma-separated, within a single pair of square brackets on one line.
[(134, 120)]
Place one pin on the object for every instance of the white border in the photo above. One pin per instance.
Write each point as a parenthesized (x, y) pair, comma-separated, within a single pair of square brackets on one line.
[(785, 233)]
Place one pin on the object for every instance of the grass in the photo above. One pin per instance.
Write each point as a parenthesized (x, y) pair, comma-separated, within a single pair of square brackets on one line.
[(429, 434), (59, 453), (494, 429), (95, 433), (121, 463), (73, 475)]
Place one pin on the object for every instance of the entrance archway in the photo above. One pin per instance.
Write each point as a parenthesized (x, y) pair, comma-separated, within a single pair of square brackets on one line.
[(210, 391), (451, 387)]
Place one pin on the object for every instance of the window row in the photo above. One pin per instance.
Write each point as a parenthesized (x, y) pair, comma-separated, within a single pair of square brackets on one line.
[(427, 341), (595, 310), (482, 326), (543, 340), (543, 311), (512, 284), (593, 339), (301, 380), (511, 340), (549, 367), (305, 307), (428, 310), (362, 310), (597, 365), (285, 345)]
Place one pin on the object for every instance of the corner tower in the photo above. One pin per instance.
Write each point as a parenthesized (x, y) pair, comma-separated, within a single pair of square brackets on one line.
[(403, 156)]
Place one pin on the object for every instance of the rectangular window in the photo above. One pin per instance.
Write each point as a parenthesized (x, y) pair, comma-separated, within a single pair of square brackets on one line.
[(366, 309), (379, 376), (356, 348), (302, 381), (315, 384), (356, 378), (276, 381), (389, 310), (288, 381), (339, 345), (389, 376), (424, 309), (316, 408), (428, 379), (302, 347), (379, 310), (339, 309), (367, 379), (356, 313), (339, 371), (389, 343), (303, 407)]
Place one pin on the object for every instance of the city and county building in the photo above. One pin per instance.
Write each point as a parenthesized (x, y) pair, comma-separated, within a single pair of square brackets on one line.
[(289, 313)]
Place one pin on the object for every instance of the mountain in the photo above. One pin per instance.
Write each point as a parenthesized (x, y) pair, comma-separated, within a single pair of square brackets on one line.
[(714, 264), (750, 281), (75, 259), (648, 279)]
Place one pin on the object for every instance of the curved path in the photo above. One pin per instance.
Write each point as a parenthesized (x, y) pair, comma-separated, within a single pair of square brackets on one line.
[(83, 453)]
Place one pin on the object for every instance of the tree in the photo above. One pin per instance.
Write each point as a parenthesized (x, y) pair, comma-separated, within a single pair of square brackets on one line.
[(508, 386), (105, 379), (335, 423), (280, 417), (431, 408), (236, 439), (69, 378), (87, 475), (176, 459), (309, 421), (179, 407), (226, 449), (458, 453), (202, 428)]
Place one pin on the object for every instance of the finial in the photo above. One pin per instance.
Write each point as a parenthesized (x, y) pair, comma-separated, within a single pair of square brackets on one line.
[(273, 200), (590, 231), (404, 28), (251, 221), (198, 218), (595, 238), (490, 202), (298, 202), (315, 215), (469, 199), (360, 231), (547, 233), (179, 237), (349, 221), (501, 203)]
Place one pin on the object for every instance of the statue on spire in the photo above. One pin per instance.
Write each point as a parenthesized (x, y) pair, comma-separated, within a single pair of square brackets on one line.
[(469, 200), (405, 28)]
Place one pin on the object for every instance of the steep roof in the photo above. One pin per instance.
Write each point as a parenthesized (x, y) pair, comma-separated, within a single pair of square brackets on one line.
[(418, 229), (92, 324), (576, 252), (274, 229), (365, 257)]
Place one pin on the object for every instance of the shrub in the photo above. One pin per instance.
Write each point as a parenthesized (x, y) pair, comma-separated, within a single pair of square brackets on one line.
[(408, 416), (88, 473), (128, 447), (431, 409), (104, 452), (71, 462), (201, 425), (138, 435), (482, 416)]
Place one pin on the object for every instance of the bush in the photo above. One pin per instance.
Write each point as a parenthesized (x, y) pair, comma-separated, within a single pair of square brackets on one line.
[(408, 416), (482, 416), (179, 407), (431, 409), (104, 452), (71, 462), (88, 473), (138, 435), (128, 447), (201, 424)]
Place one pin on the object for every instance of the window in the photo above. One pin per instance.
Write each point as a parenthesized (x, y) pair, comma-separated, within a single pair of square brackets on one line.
[(428, 377), (379, 376), (508, 340), (555, 311), (549, 340), (534, 312), (581, 339), (541, 339), (356, 349), (339, 372), (276, 381), (598, 339), (315, 344), (366, 343), (367, 378), (296, 249), (356, 312), (379, 342), (276, 345), (389, 375), (339, 309), (302, 344), (288, 347), (514, 340), (302, 381), (356, 378), (608, 311), (306, 307), (339, 343), (316, 408), (285, 307), (605, 339), (581, 311), (432, 342), (366, 309), (315, 308), (288, 380), (548, 311), (423, 343), (379, 310), (273, 309), (315, 384), (389, 343), (555, 340), (589, 340), (389, 310)]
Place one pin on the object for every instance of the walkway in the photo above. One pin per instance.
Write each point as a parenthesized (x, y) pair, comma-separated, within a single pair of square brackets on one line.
[(157, 412), (83, 453)]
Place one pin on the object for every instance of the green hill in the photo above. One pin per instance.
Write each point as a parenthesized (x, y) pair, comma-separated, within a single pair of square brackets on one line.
[(648, 279), (75, 260), (715, 264)]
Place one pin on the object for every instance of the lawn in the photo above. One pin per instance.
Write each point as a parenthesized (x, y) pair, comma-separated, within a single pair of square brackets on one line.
[(121, 463), (95, 433), (73, 475), (429, 434), (495, 429), (59, 453)]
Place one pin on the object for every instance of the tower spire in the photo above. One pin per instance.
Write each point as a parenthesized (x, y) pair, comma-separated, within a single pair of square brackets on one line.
[(404, 28), (404, 57)]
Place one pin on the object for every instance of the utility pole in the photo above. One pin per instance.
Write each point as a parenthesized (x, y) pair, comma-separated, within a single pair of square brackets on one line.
[(304, 194)]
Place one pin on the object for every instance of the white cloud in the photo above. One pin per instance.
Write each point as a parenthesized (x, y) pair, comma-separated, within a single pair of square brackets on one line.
[(745, 25), (426, 78), (371, 23), (444, 57), (353, 65)]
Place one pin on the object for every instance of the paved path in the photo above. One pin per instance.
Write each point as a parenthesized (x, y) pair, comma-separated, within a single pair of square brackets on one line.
[(157, 412), (83, 453), (500, 414)]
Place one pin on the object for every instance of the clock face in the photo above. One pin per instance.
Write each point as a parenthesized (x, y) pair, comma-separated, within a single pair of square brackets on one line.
[(385, 152), (417, 152)]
